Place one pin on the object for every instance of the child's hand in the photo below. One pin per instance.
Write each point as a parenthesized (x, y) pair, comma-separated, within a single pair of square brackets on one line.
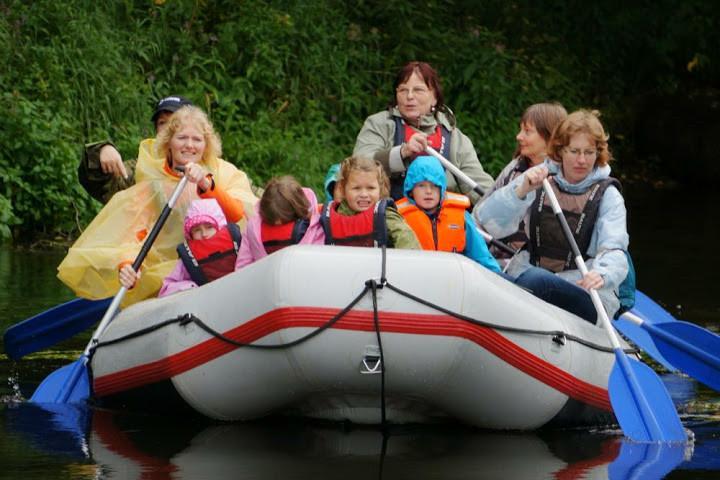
[(128, 276)]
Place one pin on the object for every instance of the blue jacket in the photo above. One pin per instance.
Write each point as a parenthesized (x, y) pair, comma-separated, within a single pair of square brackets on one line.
[(501, 213), (426, 168)]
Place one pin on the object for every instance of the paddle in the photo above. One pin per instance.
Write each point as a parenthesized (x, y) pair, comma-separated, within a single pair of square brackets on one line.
[(52, 326), (688, 347), (639, 399), (71, 383), (472, 184)]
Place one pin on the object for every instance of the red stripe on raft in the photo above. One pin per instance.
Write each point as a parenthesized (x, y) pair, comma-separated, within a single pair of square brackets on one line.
[(391, 322)]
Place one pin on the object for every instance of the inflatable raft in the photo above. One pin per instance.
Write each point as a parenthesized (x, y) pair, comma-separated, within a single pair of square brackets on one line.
[(360, 335)]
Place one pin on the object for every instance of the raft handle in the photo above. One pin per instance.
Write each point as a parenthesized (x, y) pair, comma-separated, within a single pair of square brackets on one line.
[(371, 361)]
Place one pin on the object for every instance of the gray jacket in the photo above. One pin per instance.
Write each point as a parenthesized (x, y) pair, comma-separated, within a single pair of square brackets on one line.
[(377, 136)]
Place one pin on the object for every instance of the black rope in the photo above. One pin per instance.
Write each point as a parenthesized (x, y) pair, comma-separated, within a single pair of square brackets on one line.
[(181, 320), (190, 318), (376, 320), (553, 333), (558, 336)]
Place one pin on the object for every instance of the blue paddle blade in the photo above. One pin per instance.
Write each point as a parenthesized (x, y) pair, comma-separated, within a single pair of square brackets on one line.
[(53, 326), (68, 384), (651, 313), (693, 349), (641, 403), (646, 308), (646, 460), (640, 337)]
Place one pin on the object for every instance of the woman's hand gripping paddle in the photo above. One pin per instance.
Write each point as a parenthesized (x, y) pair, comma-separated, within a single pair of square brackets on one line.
[(639, 399), (71, 383)]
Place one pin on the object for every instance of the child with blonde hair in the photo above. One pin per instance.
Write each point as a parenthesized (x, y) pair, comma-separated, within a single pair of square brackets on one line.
[(287, 214), (363, 215)]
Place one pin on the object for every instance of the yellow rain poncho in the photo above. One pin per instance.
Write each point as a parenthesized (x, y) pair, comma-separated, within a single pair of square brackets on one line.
[(117, 233)]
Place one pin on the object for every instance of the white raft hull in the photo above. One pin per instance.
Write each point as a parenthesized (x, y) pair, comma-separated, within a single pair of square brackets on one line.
[(436, 365)]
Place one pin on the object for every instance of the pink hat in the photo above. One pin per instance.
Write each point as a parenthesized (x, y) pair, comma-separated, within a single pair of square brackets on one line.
[(204, 211)]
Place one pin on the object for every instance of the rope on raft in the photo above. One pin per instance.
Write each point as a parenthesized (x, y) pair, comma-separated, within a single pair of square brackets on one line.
[(371, 286)]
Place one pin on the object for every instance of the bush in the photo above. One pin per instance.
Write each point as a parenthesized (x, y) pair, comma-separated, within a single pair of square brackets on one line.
[(288, 84)]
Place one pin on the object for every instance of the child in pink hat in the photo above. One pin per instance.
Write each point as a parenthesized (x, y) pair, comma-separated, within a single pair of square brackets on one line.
[(209, 251)]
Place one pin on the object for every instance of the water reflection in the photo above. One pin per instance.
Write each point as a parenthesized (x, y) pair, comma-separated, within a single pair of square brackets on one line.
[(141, 446)]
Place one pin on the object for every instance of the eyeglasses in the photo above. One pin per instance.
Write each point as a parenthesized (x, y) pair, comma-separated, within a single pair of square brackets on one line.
[(416, 91), (576, 152)]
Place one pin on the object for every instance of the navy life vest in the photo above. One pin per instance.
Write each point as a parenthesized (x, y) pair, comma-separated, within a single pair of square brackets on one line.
[(518, 239), (275, 237), (439, 140), (212, 258), (364, 229), (548, 246)]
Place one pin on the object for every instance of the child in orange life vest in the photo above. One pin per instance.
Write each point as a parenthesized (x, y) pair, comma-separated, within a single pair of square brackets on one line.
[(362, 215), (439, 218), (209, 251), (287, 214)]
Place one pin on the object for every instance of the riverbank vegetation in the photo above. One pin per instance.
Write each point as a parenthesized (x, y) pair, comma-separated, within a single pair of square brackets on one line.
[(288, 83)]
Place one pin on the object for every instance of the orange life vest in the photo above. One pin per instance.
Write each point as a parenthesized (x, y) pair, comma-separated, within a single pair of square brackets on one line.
[(446, 230)]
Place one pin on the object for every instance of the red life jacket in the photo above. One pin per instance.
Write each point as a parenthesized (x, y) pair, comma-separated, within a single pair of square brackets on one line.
[(439, 140), (446, 230), (212, 258), (275, 237), (364, 229)]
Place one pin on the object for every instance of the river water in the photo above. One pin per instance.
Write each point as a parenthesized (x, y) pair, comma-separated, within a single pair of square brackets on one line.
[(672, 238)]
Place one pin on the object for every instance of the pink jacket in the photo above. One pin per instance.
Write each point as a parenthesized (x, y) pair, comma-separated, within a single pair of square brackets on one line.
[(252, 248), (199, 211)]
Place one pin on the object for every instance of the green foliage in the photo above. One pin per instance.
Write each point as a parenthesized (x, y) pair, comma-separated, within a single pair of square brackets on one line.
[(289, 83)]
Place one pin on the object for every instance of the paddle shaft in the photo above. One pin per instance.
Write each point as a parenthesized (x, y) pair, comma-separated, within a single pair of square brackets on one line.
[(472, 184), (66, 384), (650, 420), (149, 241)]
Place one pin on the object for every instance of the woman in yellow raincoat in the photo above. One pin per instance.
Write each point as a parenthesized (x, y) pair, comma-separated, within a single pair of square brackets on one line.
[(116, 235)]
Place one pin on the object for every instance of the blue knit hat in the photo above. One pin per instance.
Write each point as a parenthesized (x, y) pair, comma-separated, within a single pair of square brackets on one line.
[(425, 169)]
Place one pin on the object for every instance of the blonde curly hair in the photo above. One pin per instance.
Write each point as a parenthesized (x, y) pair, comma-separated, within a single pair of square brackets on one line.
[(189, 115), (362, 164)]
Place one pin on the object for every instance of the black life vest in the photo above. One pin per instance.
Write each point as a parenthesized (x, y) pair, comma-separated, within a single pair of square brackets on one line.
[(212, 258), (364, 229), (547, 244), (275, 237), (439, 140), (518, 239)]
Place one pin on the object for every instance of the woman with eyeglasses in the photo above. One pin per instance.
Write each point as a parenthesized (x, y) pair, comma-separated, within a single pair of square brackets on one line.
[(579, 173), (416, 118)]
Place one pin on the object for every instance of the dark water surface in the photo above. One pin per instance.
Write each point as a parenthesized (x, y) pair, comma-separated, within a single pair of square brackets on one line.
[(672, 241)]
